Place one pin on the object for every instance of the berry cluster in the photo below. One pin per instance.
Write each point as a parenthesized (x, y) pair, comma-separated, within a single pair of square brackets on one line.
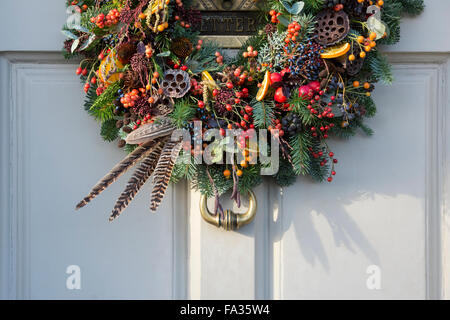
[(129, 99), (292, 32), (304, 59), (112, 18), (291, 124), (250, 53), (274, 16)]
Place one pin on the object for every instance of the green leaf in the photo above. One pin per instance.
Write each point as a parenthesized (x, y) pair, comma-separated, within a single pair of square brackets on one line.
[(75, 45), (80, 28), (163, 54), (88, 43), (283, 20), (295, 9), (69, 34)]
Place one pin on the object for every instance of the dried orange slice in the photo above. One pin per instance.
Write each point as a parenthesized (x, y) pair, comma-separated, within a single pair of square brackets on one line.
[(335, 51), (264, 87), (108, 71)]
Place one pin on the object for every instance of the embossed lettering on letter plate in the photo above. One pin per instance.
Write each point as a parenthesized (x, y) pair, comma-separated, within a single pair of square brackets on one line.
[(228, 22)]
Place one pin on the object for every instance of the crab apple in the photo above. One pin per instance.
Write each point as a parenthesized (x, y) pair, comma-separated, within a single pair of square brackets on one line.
[(284, 71), (314, 85), (280, 95), (303, 91), (275, 78)]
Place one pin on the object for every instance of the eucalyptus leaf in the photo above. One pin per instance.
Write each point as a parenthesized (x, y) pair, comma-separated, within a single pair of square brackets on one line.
[(283, 20), (87, 44), (80, 28), (294, 9), (164, 54), (75, 45), (69, 34)]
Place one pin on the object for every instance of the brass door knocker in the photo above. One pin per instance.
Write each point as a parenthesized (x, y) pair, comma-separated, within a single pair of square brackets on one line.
[(230, 220)]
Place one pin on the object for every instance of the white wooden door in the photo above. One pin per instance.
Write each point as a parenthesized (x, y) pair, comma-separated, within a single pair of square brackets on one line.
[(384, 218)]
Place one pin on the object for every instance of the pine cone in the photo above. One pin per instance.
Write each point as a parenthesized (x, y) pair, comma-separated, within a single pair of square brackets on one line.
[(181, 47), (125, 52)]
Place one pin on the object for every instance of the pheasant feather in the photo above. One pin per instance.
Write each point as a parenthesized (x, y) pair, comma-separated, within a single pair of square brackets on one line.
[(138, 179), (117, 171), (150, 131), (163, 172)]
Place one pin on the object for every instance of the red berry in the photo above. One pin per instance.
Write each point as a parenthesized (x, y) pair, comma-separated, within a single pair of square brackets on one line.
[(176, 66), (222, 132), (201, 104), (330, 179), (84, 72), (184, 68), (228, 107), (78, 71), (229, 85), (94, 80), (331, 154)]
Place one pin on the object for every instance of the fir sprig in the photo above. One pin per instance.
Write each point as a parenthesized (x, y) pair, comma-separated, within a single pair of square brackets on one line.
[(263, 113), (184, 111)]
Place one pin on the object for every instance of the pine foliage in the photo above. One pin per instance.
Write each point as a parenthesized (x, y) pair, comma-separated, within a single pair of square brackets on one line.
[(263, 113), (103, 107), (109, 130), (286, 175), (182, 113), (380, 68)]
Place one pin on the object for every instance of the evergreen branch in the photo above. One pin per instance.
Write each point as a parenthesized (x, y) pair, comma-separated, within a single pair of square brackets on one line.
[(381, 68), (263, 113), (109, 130), (183, 112)]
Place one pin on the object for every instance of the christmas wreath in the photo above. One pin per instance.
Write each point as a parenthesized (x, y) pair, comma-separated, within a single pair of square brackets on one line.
[(305, 76)]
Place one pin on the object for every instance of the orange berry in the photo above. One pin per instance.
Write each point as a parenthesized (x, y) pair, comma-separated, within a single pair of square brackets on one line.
[(360, 39), (372, 44), (380, 3), (151, 100), (239, 173), (227, 173), (160, 28), (356, 84), (366, 85), (244, 164), (351, 57), (367, 48), (372, 36), (362, 54), (368, 94)]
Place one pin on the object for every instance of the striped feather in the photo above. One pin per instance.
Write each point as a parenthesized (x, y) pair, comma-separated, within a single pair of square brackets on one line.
[(138, 179), (117, 171), (163, 172), (150, 131)]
